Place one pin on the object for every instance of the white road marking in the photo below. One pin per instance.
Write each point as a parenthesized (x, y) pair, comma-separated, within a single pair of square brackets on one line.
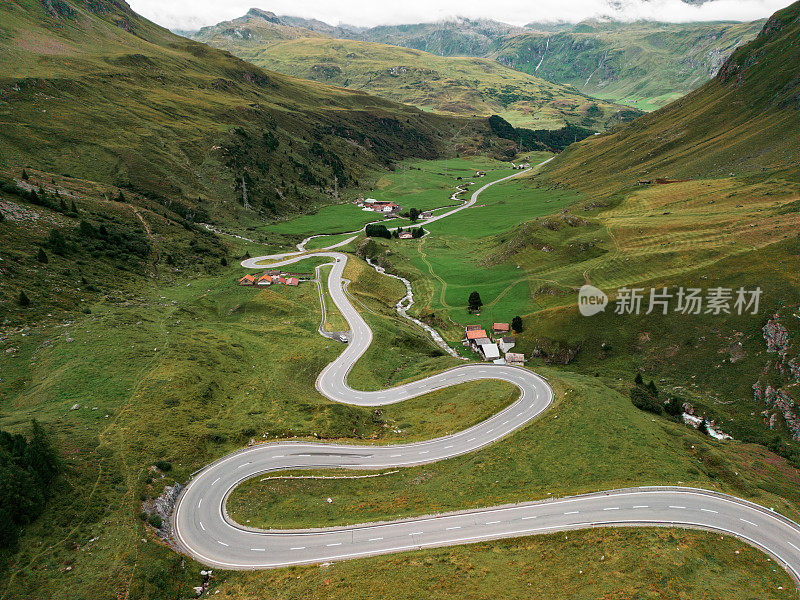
[(199, 502), (222, 543), (202, 526), (678, 507), (612, 508), (215, 481), (375, 539), (417, 533), (641, 506), (527, 518), (298, 548), (334, 544), (748, 522), (491, 522), (572, 512), (708, 510), (451, 528), (258, 549)]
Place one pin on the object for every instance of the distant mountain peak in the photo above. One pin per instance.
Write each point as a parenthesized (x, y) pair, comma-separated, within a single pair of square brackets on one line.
[(263, 14)]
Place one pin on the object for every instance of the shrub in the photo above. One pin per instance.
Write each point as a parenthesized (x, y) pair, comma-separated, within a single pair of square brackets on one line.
[(673, 407), (642, 400), (41, 256), (417, 233), (163, 465), (24, 301), (155, 520), (516, 324), (56, 241)]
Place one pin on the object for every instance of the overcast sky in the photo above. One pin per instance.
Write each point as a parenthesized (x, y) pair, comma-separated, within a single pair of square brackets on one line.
[(193, 14)]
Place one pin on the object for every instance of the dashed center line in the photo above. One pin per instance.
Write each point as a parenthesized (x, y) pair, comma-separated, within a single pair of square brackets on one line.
[(708, 510), (222, 543), (748, 522), (375, 539), (258, 549), (334, 544), (298, 548), (678, 507), (572, 512), (612, 508), (453, 527), (492, 522)]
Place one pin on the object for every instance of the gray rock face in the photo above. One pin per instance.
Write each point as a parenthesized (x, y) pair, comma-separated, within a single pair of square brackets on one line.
[(777, 337), (162, 506), (772, 394), (781, 403)]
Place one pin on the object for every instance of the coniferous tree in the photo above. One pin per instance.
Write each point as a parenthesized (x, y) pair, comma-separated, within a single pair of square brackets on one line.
[(516, 324), (474, 302), (24, 175), (42, 256), (639, 380), (24, 301)]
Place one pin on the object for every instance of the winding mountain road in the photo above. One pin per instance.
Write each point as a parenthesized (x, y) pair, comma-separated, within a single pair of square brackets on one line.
[(203, 529)]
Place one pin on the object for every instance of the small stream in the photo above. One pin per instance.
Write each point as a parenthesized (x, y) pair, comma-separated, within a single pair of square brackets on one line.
[(405, 303)]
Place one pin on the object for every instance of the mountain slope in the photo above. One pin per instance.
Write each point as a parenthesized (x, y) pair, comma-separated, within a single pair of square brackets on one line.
[(461, 86), (256, 27), (644, 64), (747, 119), (92, 89)]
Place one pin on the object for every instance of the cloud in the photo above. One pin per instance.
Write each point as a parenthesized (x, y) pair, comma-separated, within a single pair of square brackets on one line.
[(193, 14)]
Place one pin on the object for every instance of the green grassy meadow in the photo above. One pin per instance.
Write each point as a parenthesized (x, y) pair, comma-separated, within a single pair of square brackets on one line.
[(425, 185)]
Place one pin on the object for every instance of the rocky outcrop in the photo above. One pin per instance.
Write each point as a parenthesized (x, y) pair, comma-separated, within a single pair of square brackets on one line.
[(162, 506), (777, 337), (780, 402), (777, 375)]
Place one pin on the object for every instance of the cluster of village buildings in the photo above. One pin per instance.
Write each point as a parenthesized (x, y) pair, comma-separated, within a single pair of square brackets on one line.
[(490, 348), (389, 209), (378, 206), (274, 278)]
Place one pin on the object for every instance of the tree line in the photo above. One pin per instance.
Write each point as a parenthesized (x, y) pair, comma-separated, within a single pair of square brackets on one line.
[(28, 466)]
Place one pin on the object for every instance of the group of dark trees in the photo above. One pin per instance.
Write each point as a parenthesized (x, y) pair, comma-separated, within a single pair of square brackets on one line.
[(53, 201), (540, 139), (646, 397), (379, 230), (28, 466)]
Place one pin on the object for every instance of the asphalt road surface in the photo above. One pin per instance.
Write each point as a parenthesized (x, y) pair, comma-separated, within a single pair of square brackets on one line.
[(203, 529)]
